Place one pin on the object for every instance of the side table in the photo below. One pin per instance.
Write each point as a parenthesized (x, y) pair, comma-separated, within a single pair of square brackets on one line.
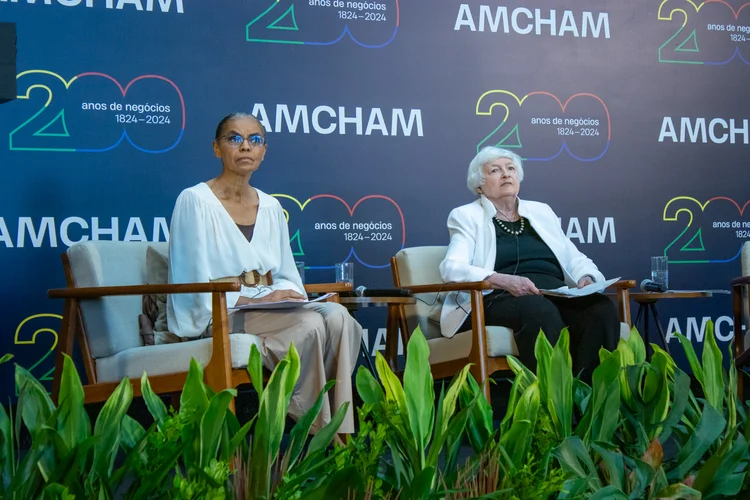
[(647, 307), (391, 325)]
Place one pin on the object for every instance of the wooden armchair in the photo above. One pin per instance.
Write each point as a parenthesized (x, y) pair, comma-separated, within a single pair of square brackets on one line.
[(106, 281), (486, 347), (741, 313)]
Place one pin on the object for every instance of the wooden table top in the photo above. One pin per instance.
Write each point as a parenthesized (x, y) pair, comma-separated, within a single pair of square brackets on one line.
[(377, 301), (650, 297)]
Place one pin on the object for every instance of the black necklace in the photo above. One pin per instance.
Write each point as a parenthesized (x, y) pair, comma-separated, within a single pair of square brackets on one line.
[(508, 230)]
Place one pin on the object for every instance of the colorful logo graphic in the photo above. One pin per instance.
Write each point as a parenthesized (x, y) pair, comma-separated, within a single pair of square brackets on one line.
[(540, 126), (93, 112), (325, 229), (711, 32), (706, 233), (44, 334), (370, 24)]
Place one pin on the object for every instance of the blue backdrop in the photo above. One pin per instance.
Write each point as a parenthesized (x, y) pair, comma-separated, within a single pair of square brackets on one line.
[(632, 118)]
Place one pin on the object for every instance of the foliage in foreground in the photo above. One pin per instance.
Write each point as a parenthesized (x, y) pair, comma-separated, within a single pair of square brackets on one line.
[(637, 432)]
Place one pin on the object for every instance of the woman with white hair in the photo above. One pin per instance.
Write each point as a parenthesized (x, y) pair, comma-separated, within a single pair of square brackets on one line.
[(519, 247)]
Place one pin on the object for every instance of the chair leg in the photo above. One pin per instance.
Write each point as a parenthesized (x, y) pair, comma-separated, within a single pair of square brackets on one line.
[(64, 343), (739, 342)]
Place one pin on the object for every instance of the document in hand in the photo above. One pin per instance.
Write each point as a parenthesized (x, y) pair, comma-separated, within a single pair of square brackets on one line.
[(564, 291), (282, 304)]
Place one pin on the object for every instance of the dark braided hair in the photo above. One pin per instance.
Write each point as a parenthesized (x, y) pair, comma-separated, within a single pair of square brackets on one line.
[(234, 116)]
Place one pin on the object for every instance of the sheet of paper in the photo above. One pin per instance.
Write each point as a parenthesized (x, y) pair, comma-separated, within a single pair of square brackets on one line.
[(282, 304), (564, 291)]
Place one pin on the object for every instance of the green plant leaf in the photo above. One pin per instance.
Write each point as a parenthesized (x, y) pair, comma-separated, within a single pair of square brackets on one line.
[(107, 428), (716, 475), (212, 424), (605, 405), (713, 379), (368, 388), (609, 493), (153, 402), (448, 406), (325, 435), (635, 342), (72, 420), (7, 449), (517, 440), (525, 375), (575, 460), (294, 367), (709, 428), (560, 391), (238, 438), (34, 404), (194, 399), (612, 464), (679, 491), (393, 390), (269, 429), (692, 358), (453, 436), (131, 433), (255, 369), (727, 487), (301, 429), (656, 393), (479, 426), (419, 392), (681, 395), (543, 355)]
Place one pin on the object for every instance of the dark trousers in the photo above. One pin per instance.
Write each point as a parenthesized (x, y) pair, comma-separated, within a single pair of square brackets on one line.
[(592, 321)]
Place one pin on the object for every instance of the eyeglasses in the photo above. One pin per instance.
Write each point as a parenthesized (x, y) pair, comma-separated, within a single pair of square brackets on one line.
[(254, 140)]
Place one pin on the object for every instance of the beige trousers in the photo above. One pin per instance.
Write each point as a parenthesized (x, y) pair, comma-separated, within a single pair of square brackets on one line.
[(327, 339)]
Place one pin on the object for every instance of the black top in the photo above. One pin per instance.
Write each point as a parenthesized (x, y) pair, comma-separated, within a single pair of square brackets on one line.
[(526, 255), (247, 231)]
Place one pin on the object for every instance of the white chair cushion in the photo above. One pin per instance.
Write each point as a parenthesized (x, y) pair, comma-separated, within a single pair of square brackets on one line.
[(111, 263), (500, 342), (171, 358), (421, 266)]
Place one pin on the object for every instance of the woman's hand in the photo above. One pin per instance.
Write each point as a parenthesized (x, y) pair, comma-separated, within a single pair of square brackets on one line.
[(515, 285), (275, 296), (585, 280)]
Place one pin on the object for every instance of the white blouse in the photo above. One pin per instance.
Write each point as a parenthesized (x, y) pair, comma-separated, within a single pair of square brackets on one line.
[(205, 244)]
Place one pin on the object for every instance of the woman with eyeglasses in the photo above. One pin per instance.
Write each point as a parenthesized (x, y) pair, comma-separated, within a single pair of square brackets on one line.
[(225, 227)]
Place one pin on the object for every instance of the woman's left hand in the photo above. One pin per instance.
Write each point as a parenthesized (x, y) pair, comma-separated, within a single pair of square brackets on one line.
[(586, 280)]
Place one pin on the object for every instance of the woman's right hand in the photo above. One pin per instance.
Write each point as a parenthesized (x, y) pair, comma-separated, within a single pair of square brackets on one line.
[(515, 285), (275, 296)]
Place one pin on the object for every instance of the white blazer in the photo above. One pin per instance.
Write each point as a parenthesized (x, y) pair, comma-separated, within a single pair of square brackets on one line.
[(472, 251)]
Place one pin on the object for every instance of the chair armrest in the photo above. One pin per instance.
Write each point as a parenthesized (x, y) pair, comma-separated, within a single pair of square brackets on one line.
[(328, 287), (103, 291), (742, 280), (450, 287), (622, 285)]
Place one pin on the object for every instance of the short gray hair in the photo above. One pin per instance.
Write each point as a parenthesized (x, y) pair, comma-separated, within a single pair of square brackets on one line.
[(475, 175)]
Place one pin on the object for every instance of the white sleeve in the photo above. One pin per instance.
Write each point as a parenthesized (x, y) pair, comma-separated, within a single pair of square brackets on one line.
[(457, 263), (285, 276), (188, 314), (578, 264)]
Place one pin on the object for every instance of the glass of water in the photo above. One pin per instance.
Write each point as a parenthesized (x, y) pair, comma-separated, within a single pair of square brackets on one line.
[(345, 272), (300, 269), (659, 270)]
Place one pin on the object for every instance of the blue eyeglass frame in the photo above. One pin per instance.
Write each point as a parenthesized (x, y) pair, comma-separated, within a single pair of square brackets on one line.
[(251, 139)]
